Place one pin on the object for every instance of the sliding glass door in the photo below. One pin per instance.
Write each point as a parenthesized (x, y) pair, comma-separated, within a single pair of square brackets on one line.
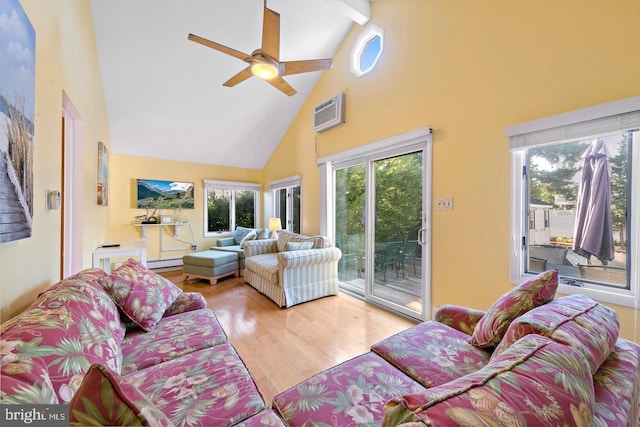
[(349, 227), (379, 226), (397, 255)]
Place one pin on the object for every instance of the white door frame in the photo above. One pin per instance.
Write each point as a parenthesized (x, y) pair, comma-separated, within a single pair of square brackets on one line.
[(73, 199), (416, 140)]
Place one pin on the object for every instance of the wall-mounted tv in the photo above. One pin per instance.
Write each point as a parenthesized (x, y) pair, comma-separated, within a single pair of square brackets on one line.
[(156, 194)]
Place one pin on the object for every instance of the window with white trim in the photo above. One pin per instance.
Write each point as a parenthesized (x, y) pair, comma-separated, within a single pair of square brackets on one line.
[(575, 181), (286, 202), (229, 205), (367, 50)]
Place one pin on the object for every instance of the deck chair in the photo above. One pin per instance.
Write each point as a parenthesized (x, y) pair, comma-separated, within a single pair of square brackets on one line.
[(389, 257), (410, 254)]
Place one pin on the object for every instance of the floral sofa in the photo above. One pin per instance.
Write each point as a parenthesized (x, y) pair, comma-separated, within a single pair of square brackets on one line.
[(128, 348), (293, 268), (529, 360)]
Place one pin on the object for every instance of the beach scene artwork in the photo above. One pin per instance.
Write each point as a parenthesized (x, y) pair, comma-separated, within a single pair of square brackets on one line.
[(17, 100)]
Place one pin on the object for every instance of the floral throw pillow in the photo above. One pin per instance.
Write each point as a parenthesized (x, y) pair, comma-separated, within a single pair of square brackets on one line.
[(534, 292), (106, 399), (142, 295)]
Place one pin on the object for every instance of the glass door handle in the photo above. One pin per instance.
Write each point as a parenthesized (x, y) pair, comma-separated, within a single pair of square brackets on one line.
[(421, 236)]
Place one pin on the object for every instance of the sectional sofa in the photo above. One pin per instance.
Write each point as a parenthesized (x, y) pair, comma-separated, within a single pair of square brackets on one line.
[(127, 349), (130, 348), (530, 360)]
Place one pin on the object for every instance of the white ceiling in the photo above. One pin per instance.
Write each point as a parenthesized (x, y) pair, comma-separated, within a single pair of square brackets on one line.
[(164, 95)]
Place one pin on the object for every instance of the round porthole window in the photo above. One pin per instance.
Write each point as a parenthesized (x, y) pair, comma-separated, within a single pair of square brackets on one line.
[(367, 50)]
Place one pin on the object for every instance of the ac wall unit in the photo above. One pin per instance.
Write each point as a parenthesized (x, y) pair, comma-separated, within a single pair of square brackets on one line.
[(329, 114)]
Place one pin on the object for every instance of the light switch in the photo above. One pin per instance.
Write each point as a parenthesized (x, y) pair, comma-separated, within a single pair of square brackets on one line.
[(444, 204)]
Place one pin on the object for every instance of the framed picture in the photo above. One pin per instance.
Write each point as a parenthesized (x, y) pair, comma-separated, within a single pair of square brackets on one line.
[(17, 102), (103, 174)]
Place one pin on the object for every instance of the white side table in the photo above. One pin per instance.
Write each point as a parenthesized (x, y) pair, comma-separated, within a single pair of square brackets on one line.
[(102, 256)]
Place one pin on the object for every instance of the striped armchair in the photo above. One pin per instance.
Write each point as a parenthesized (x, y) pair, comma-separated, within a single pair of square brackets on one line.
[(293, 268)]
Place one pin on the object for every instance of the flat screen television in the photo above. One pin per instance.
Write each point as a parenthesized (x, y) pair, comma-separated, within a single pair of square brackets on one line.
[(157, 194)]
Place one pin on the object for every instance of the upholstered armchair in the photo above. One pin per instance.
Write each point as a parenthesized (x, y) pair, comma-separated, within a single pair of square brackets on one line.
[(292, 269)]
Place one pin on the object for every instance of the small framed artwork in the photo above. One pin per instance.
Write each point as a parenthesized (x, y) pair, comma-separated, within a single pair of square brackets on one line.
[(103, 174)]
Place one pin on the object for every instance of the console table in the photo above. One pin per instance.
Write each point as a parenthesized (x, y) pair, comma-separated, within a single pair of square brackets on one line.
[(102, 256)]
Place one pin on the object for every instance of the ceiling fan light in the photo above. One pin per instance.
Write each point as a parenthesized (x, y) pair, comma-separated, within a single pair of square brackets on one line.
[(264, 70)]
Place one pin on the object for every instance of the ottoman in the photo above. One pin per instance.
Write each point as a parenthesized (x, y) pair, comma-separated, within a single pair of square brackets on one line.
[(210, 265)]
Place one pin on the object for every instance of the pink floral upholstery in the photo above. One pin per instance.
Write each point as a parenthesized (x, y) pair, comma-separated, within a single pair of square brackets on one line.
[(141, 294), (106, 399), (25, 380), (210, 387), (576, 321), (432, 353), (532, 293), (186, 301), (193, 376), (461, 318), (536, 382), (172, 337), (70, 326), (266, 418), (352, 393), (619, 374), (69, 346)]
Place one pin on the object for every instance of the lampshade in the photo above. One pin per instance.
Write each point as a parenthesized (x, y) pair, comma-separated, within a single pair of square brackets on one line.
[(275, 224), (264, 70)]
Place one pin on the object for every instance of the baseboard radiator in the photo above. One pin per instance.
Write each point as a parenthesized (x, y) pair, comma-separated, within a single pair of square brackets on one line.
[(164, 264)]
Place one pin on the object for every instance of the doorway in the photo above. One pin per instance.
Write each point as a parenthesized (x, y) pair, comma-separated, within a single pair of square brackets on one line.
[(72, 206), (380, 222)]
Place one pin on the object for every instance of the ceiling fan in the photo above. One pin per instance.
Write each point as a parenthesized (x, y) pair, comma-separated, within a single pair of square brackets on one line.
[(265, 62)]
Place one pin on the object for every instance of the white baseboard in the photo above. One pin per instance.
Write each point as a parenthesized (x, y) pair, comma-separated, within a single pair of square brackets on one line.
[(164, 264)]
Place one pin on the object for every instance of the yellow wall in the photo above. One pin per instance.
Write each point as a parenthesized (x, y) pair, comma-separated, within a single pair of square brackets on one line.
[(66, 61), (469, 69), (126, 169)]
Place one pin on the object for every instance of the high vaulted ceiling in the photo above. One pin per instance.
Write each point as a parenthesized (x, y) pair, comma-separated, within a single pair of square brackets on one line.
[(164, 95)]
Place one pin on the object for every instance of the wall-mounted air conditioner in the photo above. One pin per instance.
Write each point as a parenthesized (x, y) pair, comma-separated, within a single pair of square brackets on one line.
[(329, 113)]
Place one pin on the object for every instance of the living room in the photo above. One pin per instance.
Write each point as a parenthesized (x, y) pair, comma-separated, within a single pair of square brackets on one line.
[(487, 67), (468, 71)]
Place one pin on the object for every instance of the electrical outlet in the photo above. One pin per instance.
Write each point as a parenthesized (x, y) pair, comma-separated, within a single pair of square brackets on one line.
[(444, 204)]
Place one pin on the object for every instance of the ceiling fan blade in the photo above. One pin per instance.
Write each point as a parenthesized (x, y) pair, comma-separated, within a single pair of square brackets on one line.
[(297, 67), (271, 34), (238, 78), (219, 47), (282, 86)]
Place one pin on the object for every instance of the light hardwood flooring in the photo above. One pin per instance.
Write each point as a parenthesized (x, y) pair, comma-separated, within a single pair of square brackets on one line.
[(282, 347)]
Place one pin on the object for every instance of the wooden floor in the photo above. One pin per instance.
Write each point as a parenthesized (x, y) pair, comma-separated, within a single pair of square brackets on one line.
[(282, 347)]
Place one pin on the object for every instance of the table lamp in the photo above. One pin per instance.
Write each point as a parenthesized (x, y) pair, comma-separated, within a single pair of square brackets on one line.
[(274, 226)]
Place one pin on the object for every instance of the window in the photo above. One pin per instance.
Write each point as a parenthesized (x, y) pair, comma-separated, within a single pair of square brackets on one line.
[(228, 205), (367, 50), (576, 180), (286, 202)]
